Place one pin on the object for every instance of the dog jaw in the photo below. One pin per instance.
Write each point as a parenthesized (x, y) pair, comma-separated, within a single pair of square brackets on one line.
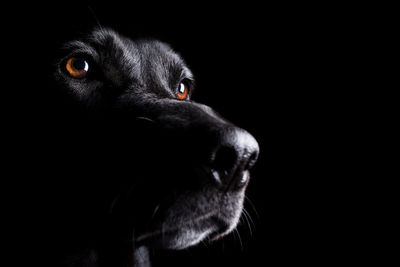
[(195, 217)]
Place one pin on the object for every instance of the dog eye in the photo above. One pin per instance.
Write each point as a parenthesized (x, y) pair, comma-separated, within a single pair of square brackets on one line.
[(183, 91), (77, 67)]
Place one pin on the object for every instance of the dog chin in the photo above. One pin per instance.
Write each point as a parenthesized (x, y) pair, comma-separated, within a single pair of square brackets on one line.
[(192, 219)]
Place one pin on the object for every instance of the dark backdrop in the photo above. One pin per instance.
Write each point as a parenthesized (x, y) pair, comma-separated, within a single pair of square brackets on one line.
[(281, 72)]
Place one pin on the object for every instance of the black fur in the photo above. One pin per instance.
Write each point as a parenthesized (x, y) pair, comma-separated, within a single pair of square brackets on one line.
[(129, 166)]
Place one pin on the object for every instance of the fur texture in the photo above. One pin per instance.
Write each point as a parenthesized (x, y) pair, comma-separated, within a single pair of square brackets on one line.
[(139, 167)]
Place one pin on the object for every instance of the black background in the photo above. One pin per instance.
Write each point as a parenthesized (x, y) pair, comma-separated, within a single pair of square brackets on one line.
[(287, 74)]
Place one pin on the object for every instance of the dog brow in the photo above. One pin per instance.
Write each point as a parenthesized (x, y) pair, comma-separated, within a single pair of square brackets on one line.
[(80, 47), (186, 73)]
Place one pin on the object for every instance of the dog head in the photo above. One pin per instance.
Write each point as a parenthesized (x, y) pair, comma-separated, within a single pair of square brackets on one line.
[(163, 170)]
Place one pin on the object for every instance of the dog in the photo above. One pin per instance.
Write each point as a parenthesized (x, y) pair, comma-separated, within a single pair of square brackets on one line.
[(133, 162)]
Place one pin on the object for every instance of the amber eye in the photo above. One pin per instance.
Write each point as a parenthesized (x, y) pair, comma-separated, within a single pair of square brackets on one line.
[(183, 91), (77, 67)]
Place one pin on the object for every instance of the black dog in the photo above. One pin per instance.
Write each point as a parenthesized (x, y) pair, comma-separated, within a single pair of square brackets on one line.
[(133, 163)]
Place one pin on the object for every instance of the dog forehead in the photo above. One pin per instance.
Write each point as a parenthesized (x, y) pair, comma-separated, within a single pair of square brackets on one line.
[(143, 50), (148, 58), (160, 62)]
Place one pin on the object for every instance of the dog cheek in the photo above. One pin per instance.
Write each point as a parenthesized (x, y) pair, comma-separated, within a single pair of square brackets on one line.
[(83, 91)]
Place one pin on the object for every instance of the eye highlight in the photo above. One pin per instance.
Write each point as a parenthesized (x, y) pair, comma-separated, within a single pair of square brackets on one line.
[(183, 91), (77, 67)]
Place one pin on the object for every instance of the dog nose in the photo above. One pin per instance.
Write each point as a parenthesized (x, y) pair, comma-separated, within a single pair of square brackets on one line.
[(235, 155)]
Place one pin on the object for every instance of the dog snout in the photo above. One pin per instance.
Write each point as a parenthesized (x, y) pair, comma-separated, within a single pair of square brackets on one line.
[(206, 139), (232, 159)]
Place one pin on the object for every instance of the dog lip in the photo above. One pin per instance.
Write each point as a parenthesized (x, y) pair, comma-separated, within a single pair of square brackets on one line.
[(211, 224), (167, 230), (222, 228)]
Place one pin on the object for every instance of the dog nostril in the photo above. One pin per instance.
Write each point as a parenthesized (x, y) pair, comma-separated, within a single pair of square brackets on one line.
[(223, 163), (232, 160), (224, 159)]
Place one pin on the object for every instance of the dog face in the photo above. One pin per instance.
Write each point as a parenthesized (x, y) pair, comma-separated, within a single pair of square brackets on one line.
[(169, 171)]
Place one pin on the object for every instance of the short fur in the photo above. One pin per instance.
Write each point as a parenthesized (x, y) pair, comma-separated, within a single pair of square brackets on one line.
[(132, 167)]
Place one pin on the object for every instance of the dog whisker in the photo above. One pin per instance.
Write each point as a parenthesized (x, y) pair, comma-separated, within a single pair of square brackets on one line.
[(250, 219), (145, 119), (236, 231), (252, 206), (204, 243), (247, 220), (95, 17), (155, 211), (113, 203)]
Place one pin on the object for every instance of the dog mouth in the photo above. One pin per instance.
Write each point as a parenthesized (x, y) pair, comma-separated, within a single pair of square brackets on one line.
[(186, 218), (185, 234)]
